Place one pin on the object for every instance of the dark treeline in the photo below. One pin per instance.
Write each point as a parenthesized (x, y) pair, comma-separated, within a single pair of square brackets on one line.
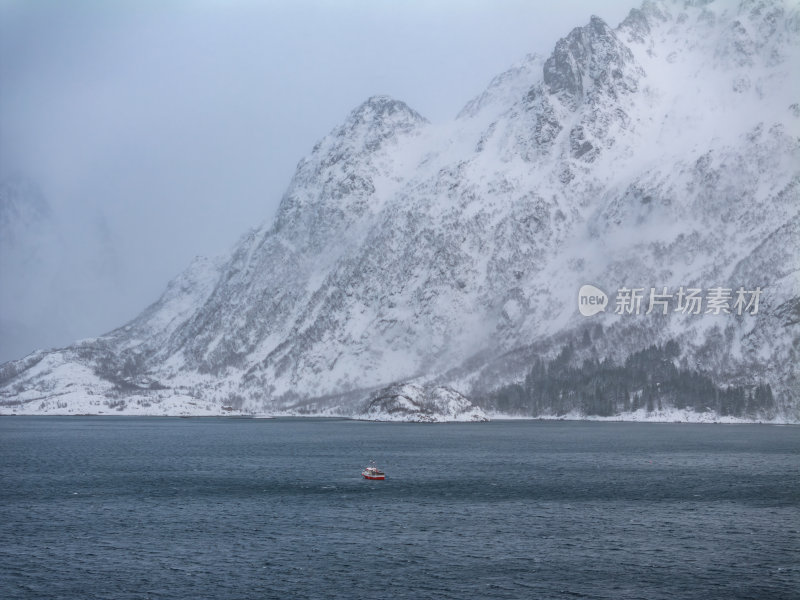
[(649, 379)]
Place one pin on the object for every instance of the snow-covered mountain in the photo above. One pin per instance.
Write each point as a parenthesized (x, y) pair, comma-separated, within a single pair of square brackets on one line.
[(663, 153)]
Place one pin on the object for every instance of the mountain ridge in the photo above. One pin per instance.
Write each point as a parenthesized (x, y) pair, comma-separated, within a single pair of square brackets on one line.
[(403, 250)]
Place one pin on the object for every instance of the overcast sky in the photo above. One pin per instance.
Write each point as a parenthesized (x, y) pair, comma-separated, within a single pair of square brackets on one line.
[(173, 127)]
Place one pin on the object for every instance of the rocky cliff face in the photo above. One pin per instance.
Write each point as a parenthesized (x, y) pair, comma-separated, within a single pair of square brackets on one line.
[(660, 154)]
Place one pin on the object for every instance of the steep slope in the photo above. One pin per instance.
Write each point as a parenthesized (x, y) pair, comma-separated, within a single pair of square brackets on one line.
[(660, 154)]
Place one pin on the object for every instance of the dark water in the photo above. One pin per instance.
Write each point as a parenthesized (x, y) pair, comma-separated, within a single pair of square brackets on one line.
[(213, 508)]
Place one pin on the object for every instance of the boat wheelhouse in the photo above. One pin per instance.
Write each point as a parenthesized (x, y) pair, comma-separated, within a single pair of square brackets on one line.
[(373, 472)]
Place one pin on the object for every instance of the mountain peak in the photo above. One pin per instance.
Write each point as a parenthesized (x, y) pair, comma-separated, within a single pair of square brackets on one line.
[(639, 21), (369, 125), (590, 58), (337, 180), (383, 115), (383, 105)]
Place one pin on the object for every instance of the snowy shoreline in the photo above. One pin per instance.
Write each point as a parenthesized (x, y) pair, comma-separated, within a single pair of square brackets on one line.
[(664, 417), (406, 403)]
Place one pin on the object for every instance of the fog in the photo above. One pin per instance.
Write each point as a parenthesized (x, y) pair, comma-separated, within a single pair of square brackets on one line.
[(155, 132)]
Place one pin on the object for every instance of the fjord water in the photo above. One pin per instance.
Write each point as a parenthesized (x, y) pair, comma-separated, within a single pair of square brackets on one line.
[(162, 508)]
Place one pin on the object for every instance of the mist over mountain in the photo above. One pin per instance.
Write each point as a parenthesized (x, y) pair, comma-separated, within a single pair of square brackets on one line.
[(46, 255), (444, 260)]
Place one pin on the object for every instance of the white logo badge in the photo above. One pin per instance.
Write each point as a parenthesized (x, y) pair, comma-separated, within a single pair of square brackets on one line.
[(591, 300)]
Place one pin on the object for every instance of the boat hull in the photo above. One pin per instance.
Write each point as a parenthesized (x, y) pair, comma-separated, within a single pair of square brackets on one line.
[(373, 472)]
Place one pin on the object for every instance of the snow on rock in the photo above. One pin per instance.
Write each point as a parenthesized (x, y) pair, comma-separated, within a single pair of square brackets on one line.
[(421, 404)]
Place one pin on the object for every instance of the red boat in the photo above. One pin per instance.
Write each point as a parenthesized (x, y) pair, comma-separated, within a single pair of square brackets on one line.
[(373, 472)]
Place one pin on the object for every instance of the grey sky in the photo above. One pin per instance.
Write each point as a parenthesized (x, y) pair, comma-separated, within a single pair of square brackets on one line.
[(179, 124)]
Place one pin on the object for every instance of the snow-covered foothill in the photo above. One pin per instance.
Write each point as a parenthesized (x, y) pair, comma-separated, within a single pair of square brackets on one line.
[(421, 404)]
